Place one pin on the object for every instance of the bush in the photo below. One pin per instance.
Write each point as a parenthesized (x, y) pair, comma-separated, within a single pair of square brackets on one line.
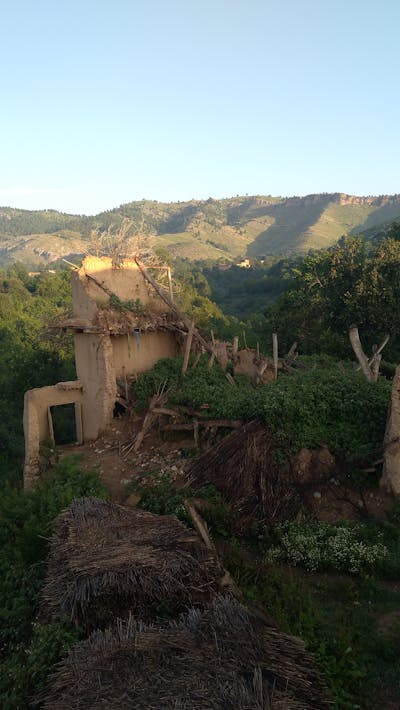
[(319, 546), (162, 497), (28, 650), (336, 407)]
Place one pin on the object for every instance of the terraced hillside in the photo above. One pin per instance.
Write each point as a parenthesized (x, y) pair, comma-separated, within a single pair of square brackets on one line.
[(200, 229)]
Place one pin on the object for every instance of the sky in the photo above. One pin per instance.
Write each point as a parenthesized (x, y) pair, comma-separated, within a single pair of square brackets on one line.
[(105, 102)]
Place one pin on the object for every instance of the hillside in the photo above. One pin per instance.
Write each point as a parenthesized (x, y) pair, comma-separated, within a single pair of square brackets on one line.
[(201, 229)]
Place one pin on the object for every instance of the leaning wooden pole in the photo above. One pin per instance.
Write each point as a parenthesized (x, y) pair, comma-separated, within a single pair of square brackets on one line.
[(188, 345), (275, 354), (172, 305)]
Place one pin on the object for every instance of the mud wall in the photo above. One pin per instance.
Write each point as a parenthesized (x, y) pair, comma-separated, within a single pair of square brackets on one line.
[(140, 352), (36, 421), (125, 281), (95, 369)]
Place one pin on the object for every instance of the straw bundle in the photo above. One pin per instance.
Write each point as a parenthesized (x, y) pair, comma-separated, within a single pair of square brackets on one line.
[(242, 467), (219, 658), (107, 561)]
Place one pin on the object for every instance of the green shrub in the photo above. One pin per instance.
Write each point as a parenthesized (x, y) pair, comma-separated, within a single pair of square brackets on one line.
[(338, 408), (161, 496), (319, 546), (26, 521), (332, 406)]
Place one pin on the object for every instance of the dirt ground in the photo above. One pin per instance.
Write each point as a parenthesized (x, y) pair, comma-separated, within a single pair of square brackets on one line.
[(112, 457)]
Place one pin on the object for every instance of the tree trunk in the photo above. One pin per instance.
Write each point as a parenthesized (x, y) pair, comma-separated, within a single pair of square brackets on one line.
[(391, 444), (359, 352)]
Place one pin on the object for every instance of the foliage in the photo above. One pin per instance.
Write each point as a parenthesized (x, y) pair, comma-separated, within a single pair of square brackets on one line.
[(28, 649), (31, 355), (161, 496), (336, 407), (319, 546), (332, 406), (133, 305), (24, 672), (338, 622), (332, 289)]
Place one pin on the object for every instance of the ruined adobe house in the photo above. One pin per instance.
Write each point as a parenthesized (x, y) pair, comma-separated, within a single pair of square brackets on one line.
[(112, 342)]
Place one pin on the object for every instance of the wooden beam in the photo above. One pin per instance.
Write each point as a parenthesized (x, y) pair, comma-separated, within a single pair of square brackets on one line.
[(171, 295), (188, 346), (275, 354), (172, 305)]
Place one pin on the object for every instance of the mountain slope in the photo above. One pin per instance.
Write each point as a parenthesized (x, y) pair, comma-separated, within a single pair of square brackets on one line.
[(201, 229)]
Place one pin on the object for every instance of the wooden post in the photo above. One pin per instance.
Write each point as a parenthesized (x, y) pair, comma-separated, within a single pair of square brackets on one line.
[(292, 352), (171, 295), (171, 304), (212, 358), (375, 367), (275, 354), (376, 355), (188, 346), (125, 384), (235, 347), (196, 361)]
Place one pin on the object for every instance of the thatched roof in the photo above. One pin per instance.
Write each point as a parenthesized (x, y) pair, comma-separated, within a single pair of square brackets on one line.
[(242, 467), (121, 322), (108, 561), (220, 658)]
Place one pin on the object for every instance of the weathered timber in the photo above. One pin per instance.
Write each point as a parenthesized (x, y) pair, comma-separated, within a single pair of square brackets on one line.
[(275, 354), (172, 305), (188, 346), (359, 352), (206, 424)]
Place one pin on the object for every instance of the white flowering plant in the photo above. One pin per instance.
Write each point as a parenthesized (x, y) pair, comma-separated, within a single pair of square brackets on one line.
[(319, 546)]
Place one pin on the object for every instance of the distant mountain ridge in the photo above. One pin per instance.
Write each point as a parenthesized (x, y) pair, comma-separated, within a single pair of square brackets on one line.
[(201, 229)]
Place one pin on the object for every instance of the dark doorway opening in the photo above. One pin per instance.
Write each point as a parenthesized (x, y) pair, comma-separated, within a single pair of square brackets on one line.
[(64, 424)]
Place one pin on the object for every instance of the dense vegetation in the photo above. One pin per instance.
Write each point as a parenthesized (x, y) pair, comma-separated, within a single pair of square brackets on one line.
[(31, 354), (349, 619), (331, 406), (28, 648), (330, 290)]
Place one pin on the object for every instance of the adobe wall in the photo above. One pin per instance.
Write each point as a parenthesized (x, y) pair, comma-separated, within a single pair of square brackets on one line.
[(137, 354), (100, 357), (125, 281), (36, 421), (95, 369)]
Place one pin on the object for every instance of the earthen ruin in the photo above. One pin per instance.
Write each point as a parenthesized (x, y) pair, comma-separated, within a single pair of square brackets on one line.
[(121, 328)]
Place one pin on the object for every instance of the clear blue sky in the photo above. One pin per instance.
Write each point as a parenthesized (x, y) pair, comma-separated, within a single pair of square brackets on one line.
[(104, 102)]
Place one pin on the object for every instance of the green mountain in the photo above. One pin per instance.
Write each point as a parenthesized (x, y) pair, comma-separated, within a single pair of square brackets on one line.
[(201, 229)]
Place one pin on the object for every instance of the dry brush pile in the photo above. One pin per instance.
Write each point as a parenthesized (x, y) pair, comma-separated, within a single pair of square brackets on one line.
[(219, 658), (108, 561)]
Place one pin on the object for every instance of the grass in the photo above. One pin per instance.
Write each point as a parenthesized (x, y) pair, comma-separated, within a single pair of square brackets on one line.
[(338, 619)]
